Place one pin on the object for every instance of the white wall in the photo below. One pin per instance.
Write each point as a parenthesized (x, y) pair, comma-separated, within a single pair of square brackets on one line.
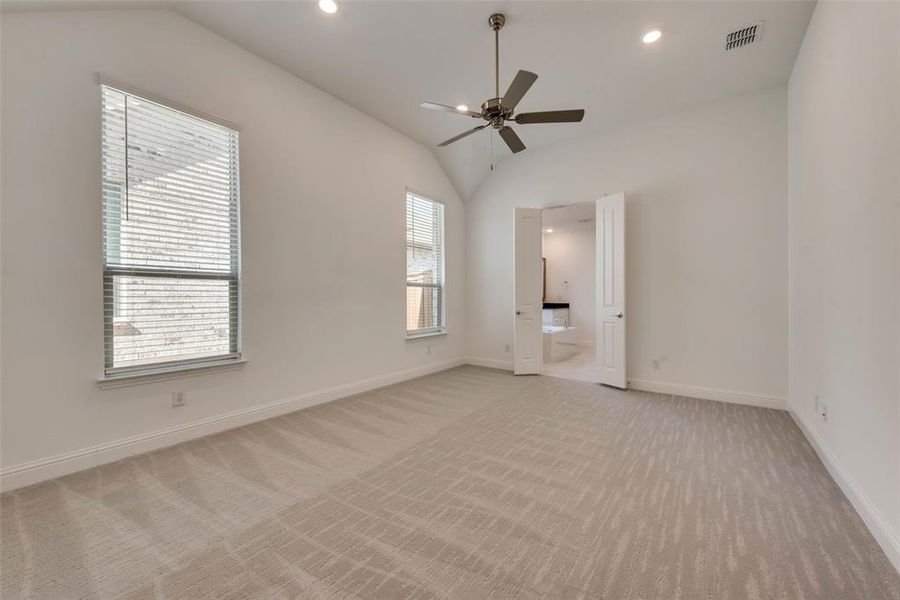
[(570, 258), (844, 113), (323, 199), (706, 197)]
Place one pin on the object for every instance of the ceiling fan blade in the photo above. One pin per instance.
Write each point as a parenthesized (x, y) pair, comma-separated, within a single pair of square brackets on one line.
[(551, 116), (521, 84), (453, 109), (512, 140), (462, 135)]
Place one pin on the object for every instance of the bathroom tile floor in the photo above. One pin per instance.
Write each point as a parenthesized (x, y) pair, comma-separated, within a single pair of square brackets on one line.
[(580, 367)]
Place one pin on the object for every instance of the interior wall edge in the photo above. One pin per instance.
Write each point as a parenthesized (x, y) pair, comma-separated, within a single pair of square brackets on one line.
[(878, 525), (32, 472)]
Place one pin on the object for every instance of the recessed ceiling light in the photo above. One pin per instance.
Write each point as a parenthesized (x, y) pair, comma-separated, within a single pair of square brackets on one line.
[(329, 6), (462, 107), (649, 37), (548, 231)]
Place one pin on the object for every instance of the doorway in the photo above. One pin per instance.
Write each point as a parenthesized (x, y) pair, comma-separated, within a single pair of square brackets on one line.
[(568, 242), (570, 291)]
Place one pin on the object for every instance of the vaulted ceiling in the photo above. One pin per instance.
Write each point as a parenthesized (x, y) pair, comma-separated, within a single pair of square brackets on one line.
[(386, 57)]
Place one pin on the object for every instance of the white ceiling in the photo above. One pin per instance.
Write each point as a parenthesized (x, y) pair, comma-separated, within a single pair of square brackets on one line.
[(386, 57)]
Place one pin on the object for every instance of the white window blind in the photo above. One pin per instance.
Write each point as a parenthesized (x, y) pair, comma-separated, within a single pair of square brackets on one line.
[(171, 237), (424, 266)]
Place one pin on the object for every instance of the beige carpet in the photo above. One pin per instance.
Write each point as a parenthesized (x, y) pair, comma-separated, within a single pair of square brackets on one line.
[(466, 484)]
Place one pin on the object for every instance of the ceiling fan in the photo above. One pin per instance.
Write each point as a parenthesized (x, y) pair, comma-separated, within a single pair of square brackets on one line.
[(497, 111)]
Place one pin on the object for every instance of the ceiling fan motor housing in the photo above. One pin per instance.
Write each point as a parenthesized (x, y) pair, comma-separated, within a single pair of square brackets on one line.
[(495, 113)]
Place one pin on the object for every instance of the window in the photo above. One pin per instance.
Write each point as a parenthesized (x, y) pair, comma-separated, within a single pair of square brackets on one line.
[(171, 237), (424, 266)]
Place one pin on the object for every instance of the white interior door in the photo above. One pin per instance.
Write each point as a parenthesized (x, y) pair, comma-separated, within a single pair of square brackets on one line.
[(611, 318), (528, 343)]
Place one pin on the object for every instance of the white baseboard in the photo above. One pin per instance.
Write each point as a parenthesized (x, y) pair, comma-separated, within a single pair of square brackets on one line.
[(29, 473), (666, 388), (887, 538), (708, 393), (491, 363)]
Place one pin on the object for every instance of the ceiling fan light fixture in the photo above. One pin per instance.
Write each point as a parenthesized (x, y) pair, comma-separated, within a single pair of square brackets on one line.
[(328, 6), (462, 108), (652, 36)]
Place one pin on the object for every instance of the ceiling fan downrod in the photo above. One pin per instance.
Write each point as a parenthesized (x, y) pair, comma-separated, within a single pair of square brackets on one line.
[(497, 21)]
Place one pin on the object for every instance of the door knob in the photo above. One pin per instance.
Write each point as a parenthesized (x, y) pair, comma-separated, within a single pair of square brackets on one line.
[(620, 315), (518, 312)]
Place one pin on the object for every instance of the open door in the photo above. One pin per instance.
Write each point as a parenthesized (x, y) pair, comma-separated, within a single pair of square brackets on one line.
[(528, 343), (610, 282)]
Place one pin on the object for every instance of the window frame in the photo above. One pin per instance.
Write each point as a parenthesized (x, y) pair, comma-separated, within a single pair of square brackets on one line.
[(442, 330), (163, 370)]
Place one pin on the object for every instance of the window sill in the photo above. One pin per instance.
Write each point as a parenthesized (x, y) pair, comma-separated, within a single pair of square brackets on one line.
[(417, 336), (169, 374)]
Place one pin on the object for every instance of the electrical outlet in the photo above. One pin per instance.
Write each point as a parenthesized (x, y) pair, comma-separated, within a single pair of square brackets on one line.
[(506, 348), (428, 349), (178, 399), (655, 362)]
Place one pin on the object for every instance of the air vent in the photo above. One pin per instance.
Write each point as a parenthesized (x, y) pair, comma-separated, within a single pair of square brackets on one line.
[(745, 36)]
